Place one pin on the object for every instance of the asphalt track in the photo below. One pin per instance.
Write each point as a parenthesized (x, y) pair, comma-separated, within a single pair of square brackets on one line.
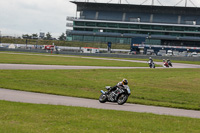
[(45, 67), (38, 98)]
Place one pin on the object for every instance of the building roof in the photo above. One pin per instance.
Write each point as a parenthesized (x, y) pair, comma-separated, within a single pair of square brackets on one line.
[(137, 8)]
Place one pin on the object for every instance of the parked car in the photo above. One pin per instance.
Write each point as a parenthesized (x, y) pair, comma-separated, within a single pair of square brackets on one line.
[(194, 54)]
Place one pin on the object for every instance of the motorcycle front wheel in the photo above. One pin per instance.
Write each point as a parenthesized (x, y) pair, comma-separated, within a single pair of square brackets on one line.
[(102, 98), (122, 99)]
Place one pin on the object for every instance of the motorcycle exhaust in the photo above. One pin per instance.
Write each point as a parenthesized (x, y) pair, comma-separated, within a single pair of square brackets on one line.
[(102, 92)]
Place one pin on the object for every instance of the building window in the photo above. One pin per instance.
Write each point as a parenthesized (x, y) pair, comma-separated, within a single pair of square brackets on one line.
[(101, 24), (79, 23), (123, 25), (112, 25), (90, 24)]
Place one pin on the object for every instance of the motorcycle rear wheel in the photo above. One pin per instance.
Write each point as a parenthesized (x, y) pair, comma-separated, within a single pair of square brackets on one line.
[(122, 99), (102, 98)]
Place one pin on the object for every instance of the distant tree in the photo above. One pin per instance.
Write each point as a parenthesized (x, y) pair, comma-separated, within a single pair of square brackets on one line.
[(48, 36), (26, 36), (62, 37), (35, 36)]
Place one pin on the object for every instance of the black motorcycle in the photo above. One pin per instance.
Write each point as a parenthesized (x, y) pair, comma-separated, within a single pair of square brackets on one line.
[(151, 64), (170, 64), (120, 95)]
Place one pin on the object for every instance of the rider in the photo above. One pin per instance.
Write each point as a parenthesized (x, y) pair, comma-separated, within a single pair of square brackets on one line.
[(169, 62), (163, 60), (165, 63), (150, 60), (151, 63), (120, 85)]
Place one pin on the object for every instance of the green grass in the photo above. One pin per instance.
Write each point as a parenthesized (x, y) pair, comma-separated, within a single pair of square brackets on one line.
[(47, 59), (177, 88), (33, 118), (58, 60)]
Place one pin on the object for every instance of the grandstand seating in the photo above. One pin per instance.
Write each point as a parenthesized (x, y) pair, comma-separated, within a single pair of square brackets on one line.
[(88, 14), (143, 17), (113, 16), (165, 18), (185, 18)]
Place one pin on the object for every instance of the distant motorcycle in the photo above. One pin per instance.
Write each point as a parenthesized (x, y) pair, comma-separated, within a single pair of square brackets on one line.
[(120, 95), (169, 63), (165, 64), (151, 64)]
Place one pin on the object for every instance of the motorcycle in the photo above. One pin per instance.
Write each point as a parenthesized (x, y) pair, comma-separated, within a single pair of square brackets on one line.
[(170, 64), (151, 64), (120, 95), (165, 64)]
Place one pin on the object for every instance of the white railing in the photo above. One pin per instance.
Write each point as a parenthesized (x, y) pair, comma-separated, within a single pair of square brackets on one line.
[(69, 24), (71, 18)]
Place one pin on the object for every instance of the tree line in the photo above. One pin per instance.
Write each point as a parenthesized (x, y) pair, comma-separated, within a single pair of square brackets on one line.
[(48, 36)]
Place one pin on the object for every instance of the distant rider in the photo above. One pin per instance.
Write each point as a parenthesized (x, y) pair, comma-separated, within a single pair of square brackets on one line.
[(169, 62), (165, 63), (151, 63), (150, 60), (120, 85)]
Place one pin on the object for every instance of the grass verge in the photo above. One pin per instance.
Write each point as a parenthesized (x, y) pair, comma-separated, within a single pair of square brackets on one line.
[(47, 59), (18, 59), (178, 88), (35, 118)]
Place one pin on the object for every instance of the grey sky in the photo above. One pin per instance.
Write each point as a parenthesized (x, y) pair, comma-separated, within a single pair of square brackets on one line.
[(19, 17)]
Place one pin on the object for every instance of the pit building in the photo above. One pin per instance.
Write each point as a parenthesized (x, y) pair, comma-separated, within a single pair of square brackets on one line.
[(142, 26)]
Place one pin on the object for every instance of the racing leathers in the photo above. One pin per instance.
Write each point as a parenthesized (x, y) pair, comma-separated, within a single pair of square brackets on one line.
[(120, 85)]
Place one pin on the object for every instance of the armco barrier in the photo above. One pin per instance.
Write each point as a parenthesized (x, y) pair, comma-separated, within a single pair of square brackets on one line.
[(105, 54)]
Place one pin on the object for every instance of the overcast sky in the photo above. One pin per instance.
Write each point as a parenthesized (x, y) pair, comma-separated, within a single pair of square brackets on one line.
[(19, 17)]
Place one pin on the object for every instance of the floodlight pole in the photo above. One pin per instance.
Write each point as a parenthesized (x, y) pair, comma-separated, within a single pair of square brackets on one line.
[(185, 3), (152, 2)]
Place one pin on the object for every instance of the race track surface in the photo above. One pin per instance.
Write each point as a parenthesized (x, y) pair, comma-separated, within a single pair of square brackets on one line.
[(39, 98), (44, 67)]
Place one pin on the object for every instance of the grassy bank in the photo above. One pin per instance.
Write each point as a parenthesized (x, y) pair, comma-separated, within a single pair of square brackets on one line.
[(32, 118), (177, 88)]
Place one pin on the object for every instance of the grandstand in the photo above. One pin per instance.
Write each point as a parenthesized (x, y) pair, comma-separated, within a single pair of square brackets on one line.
[(160, 26)]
